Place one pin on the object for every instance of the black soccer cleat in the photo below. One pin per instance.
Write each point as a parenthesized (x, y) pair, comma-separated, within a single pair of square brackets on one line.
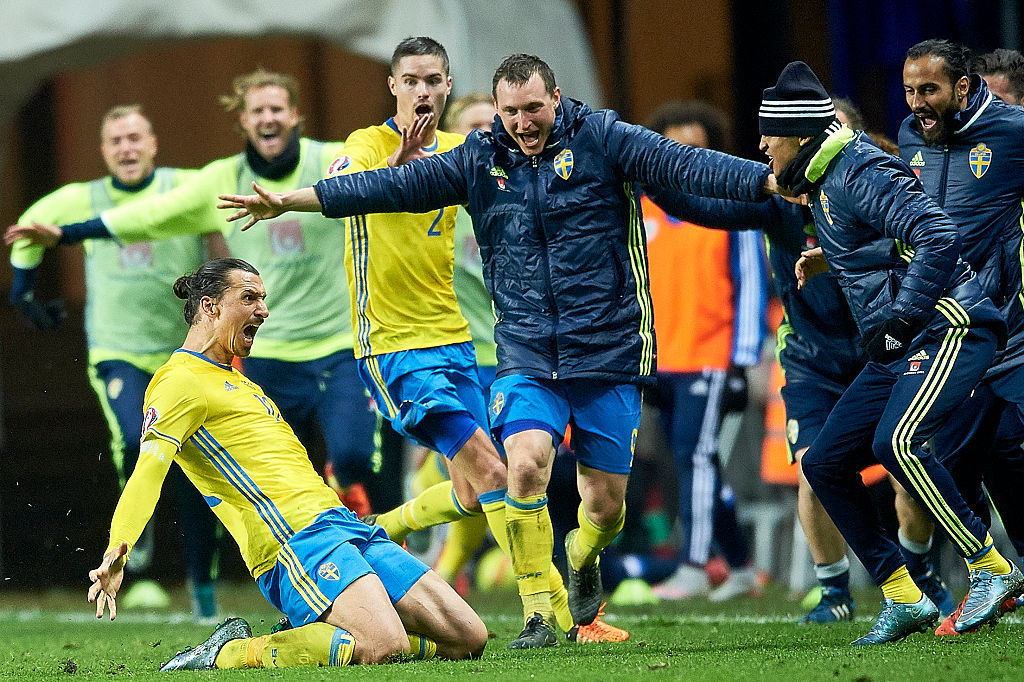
[(204, 656), (584, 587), (536, 635)]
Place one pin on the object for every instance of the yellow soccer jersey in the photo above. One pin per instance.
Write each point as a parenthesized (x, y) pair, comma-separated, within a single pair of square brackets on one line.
[(399, 264), (237, 450)]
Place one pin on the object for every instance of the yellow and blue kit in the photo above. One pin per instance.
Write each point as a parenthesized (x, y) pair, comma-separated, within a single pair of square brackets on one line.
[(413, 344), (230, 440)]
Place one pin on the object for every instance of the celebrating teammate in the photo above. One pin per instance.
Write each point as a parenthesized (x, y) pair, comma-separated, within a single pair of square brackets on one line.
[(351, 593), (127, 344)]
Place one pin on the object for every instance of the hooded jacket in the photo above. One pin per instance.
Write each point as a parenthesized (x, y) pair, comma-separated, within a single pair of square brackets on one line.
[(560, 233)]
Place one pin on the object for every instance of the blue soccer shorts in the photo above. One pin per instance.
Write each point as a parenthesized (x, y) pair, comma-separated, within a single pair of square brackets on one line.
[(430, 395), (604, 416), (328, 555)]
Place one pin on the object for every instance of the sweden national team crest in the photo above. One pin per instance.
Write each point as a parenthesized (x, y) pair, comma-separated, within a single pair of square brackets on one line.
[(792, 431), (825, 207), (498, 403), (329, 571), (563, 164), (980, 159)]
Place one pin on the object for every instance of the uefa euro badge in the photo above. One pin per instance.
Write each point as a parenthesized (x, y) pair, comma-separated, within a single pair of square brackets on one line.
[(563, 164), (980, 159), (825, 207), (329, 571)]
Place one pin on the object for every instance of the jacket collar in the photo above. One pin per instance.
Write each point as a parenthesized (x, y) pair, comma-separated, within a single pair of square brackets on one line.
[(978, 100)]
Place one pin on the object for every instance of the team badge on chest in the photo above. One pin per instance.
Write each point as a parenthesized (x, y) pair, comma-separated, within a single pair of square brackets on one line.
[(563, 164), (980, 159)]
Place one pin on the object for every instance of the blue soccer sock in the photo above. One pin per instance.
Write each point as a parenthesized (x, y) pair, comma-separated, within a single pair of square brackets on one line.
[(915, 554)]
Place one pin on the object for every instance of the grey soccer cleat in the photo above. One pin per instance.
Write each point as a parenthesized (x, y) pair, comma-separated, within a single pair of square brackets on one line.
[(985, 597), (203, 656), (584, 587), (536, 635)]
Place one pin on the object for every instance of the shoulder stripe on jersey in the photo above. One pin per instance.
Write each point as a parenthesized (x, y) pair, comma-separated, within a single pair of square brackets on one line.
[(637, 244), (359, 243), (236, 476), (166, 437), (937, 376), (953, 311)]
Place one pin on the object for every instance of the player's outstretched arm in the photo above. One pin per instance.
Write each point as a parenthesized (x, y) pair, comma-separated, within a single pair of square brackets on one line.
[(36, 234), (106, 580), (265, 205)]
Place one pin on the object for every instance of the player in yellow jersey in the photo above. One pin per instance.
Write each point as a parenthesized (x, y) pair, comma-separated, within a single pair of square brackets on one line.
[(354, 596)]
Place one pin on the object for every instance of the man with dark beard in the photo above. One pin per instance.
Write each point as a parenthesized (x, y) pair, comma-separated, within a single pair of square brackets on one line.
[(967, 148)]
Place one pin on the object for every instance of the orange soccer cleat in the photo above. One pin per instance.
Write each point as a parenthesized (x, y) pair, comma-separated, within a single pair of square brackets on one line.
[(597, 631)]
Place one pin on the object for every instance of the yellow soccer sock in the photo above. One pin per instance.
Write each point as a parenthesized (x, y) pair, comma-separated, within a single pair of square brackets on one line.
[(464, 538), (901, 588), (560, 600), (531, 539), (421, 648), (232, 654), (315, 644), (591, 538), (990, 560), (432, 507)]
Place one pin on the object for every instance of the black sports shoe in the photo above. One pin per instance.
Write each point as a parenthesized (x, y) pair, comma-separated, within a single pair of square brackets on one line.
[(369, 519), (203, 656), (536, 635), (585, 592)]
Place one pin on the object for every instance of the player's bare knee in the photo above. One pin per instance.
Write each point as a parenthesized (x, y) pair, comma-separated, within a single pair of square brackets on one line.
[(381, 647)]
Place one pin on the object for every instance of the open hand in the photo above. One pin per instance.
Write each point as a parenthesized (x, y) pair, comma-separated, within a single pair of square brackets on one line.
[(413, 139), (36, 234), (106, 580), (260, 206)]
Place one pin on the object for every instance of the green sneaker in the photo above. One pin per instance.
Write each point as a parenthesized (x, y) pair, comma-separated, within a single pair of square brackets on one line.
[(204, 656), (536, 635), (584, 586), (896, 621)]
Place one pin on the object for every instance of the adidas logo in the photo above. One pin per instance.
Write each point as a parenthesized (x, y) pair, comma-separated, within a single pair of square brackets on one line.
[(229, 387), (919, 356), (918, 160), (891, 343), (841, 611)]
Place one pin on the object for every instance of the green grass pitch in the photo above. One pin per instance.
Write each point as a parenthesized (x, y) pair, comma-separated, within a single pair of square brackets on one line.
[(55, 636)]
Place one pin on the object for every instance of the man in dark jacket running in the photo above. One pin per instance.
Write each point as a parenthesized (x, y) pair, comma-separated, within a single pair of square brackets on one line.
[(550, 190), (929, 333)]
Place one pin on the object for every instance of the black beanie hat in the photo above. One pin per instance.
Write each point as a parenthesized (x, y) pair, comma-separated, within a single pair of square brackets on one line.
[(797, 106)]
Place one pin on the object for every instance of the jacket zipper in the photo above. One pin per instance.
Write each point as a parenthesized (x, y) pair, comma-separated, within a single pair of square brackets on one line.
[(945, 176), (547, 263)]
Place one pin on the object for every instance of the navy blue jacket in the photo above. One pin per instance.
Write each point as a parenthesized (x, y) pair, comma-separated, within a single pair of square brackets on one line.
[(894, 251), (818, 340), (560, 233), (977, 176)]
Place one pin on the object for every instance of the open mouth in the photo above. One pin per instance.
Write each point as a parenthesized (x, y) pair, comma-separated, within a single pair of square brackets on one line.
[(423, 109), (927, 121), (249, 332)]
